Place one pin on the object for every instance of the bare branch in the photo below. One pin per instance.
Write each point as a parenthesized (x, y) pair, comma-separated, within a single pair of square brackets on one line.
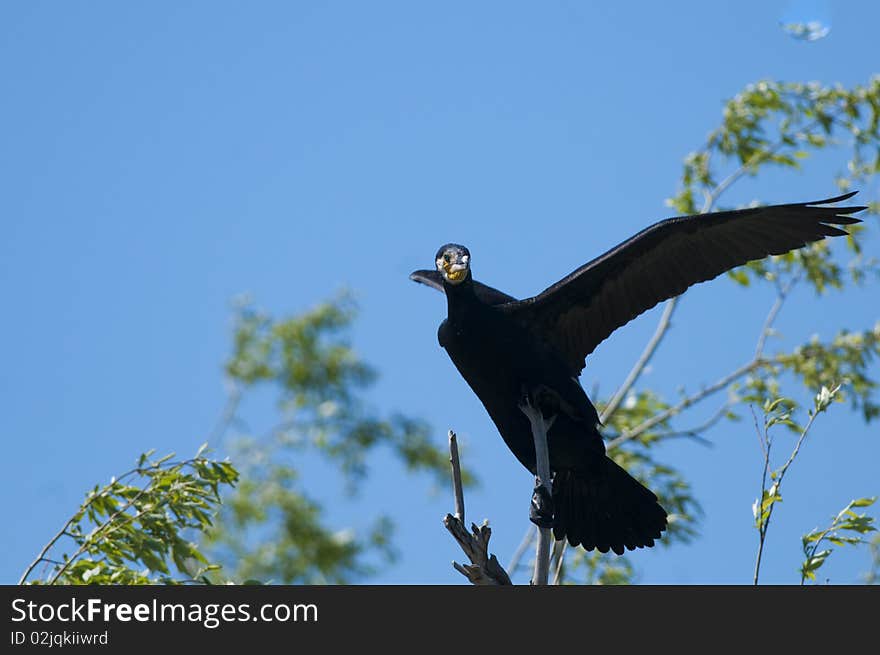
[(767, 327), (685, 403), (524, 545), (644, 358), (542, 468), (665, 319), (560, 561), (711, 198), (227, 416), (695, 432), (484, 568), (456, 476)]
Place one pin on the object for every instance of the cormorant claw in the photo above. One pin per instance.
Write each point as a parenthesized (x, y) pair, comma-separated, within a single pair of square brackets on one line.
[(541, 508)]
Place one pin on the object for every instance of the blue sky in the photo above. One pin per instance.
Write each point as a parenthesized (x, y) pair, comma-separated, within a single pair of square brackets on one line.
[(159, 159)]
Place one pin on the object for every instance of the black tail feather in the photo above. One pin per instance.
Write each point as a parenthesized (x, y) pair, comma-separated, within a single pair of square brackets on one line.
[(606, 509)]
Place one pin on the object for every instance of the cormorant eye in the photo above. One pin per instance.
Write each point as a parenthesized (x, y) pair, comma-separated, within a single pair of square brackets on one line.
[(447, 258)]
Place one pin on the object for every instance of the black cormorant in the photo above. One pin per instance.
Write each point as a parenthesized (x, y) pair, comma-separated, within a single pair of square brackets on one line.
[(509, 350)]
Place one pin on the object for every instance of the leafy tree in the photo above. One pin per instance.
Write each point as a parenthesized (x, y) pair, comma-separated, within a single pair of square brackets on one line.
[(133, 529), (767, 125), (270, 528)]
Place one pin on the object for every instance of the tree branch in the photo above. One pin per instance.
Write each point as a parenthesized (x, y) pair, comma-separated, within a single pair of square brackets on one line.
[(695, 433), (662, 325), (777, 476), (644, 358), (524, 545), (484, 568), (560, 562), (757, 361), (762, 525), (687, 402), (227, 416), (41, 557), (456, 476), (766, 328), (542, 469)]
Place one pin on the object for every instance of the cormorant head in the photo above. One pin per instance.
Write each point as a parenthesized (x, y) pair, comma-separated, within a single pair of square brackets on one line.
[(453, 261)]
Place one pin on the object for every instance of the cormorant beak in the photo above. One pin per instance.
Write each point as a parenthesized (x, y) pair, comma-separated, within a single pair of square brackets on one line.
[(454, 271)]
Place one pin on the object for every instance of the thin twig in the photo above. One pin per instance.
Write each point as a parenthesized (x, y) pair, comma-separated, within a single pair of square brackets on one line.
[(103, 527), (779, 475), (762, 526), (97, 532), (711, 198), (695, 432), (754, 160), (766, 328), (560, 562), (685, 403), (642, 361), (227, 416), (663, 323), (521, 550), (757, 362), (41, 557), (796, 450)]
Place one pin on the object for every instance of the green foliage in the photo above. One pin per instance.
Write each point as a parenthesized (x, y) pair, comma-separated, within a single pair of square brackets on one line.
[(638, 407), (133, 529), (848, 357), (769, 125), (319, 379), (779, 124), (292, 544), (599, 569), (271, 528), (308, 357), (847, 528), (779, 412), (847, 521)]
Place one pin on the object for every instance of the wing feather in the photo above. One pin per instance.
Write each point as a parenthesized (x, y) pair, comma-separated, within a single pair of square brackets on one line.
[(580, 311)]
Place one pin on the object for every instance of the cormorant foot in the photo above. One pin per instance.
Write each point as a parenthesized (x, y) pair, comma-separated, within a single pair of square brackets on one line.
[(541, 508)]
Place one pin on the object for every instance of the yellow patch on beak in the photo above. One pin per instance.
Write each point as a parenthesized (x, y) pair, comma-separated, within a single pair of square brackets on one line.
[(457, 275), (453, 271)]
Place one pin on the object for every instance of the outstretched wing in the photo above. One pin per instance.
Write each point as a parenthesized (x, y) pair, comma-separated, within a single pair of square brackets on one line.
[(581, 310), (485, 293)]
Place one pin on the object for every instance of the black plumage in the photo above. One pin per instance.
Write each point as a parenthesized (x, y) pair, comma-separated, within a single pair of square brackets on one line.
[(507, 349)]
